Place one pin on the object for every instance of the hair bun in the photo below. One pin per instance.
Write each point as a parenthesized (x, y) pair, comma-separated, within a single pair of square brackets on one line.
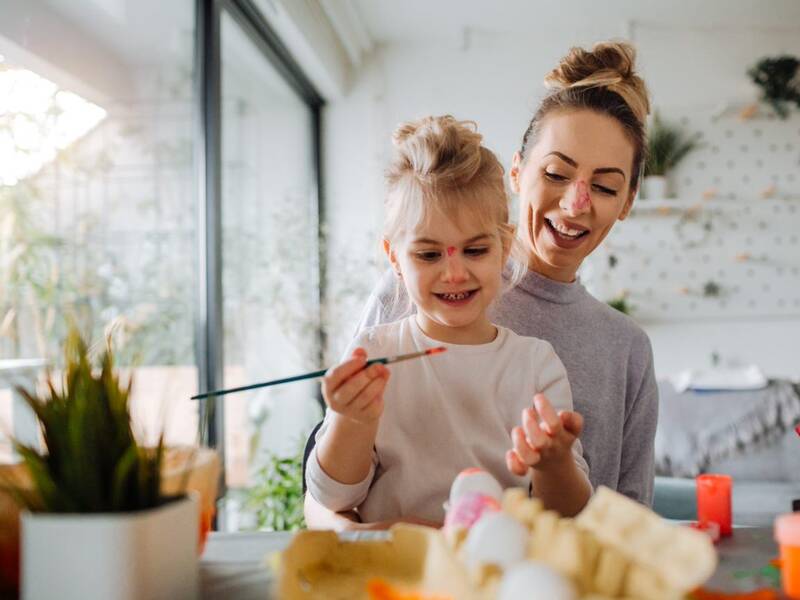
[(609, 65), (441, 149)]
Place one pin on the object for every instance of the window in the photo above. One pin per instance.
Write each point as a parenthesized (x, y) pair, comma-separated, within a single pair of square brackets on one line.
[(97, 213)]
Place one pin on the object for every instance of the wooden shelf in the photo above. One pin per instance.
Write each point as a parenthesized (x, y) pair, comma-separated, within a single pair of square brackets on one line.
[(677, 206)]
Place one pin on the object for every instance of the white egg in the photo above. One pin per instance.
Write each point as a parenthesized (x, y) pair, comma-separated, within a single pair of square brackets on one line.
[(535, 581), (475, 480), (496, 538)]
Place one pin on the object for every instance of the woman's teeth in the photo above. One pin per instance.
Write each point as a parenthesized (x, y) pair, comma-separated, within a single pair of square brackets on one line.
[(566, 231)]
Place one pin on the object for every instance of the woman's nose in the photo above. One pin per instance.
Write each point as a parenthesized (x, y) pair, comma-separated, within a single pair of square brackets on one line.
[(577, 200)]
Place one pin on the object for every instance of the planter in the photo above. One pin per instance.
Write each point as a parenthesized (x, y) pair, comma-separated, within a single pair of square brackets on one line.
[(10, 475), (655, 187), (147, 555)]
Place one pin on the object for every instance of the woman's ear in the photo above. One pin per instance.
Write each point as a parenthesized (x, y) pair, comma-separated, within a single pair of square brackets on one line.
[(513, 173), (387, 248)]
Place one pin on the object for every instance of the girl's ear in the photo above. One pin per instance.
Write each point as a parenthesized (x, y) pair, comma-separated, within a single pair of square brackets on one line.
[(387, 248), (513, 173), (507, 239)]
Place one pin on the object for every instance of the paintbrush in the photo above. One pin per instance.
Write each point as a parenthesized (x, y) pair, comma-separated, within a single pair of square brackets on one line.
[(387, 360)]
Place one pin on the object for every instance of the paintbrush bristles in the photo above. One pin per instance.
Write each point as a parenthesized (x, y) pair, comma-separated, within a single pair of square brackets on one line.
[(402, 357)]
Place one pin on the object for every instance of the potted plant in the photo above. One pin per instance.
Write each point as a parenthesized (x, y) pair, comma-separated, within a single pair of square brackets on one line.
[(96, 522), (779, 80), (667, 145)]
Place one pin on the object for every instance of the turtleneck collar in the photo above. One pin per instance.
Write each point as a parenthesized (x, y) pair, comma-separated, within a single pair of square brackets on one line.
[(553, 291)]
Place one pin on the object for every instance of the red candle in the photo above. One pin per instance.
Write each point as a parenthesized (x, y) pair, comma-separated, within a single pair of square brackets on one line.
[(714, 501)]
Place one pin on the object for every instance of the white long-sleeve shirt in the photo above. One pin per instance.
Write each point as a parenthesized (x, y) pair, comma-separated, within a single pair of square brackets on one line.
[(443, 414)]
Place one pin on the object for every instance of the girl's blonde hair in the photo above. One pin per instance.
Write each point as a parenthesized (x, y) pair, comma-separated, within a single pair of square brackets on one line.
[(440, 167)]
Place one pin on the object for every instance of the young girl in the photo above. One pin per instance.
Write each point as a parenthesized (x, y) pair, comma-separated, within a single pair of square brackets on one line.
[(391, 446)]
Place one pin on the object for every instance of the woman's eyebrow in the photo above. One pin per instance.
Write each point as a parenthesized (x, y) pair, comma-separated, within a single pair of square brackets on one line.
[(573, 163)]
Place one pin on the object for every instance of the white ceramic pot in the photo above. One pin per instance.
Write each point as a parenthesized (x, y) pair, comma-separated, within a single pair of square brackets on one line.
[(147, 555), (655, 187)]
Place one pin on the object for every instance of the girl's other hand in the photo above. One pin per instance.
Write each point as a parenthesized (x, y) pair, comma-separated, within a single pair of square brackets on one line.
[(354, 392), (544, 441)]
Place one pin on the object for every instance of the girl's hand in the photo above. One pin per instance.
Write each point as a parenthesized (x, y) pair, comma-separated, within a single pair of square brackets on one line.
[(545, 439), (354, 392)]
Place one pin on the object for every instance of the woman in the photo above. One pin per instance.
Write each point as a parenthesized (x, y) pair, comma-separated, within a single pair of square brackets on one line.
[(576, 175)]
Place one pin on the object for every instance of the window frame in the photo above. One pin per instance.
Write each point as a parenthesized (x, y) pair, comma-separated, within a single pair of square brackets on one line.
[(208, 178)]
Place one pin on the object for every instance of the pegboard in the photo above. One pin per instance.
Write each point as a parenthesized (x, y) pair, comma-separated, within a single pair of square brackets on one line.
[(728, 247)]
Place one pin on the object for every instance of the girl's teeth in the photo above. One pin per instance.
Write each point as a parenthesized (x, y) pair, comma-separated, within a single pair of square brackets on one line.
[(459, 296)]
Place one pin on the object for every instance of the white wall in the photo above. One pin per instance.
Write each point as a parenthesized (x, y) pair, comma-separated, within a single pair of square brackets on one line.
[(496, 80)]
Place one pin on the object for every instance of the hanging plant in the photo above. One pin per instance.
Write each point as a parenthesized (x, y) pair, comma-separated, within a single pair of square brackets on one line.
[(779, 80)]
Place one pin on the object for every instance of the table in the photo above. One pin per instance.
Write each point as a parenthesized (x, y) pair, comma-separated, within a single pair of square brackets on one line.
[(233, 565)]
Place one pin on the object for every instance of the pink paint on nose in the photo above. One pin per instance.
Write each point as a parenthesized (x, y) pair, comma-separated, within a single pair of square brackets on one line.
[(451, 250), (582, 198)]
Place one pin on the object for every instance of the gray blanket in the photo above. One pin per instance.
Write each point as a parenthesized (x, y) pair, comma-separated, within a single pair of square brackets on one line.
[(698, 428)]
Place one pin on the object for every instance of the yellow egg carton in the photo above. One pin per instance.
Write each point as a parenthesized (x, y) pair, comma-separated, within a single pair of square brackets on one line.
[(317, 565), (615, 548)]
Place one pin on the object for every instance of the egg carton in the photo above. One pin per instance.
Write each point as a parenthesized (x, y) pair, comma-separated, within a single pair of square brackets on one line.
[(616, 548), (317, 565)]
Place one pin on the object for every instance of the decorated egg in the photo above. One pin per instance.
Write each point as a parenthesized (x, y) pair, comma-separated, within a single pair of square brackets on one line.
[(535, 581), (469, 507), (475, 480), (496, 538)]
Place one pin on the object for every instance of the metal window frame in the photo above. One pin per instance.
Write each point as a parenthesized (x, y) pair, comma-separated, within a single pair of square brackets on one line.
[(209, 331)]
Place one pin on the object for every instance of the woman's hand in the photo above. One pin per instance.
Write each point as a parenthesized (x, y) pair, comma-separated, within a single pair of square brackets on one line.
[(354, 392), (545, 439)]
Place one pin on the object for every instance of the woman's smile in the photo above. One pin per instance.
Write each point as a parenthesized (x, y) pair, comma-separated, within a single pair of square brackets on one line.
[(565, 234)]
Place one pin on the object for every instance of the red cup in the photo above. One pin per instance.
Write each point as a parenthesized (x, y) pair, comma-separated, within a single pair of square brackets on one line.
[(714, 501)]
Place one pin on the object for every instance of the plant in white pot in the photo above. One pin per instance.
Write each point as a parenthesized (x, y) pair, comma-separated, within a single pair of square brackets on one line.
[(666, 147), (97, 524)]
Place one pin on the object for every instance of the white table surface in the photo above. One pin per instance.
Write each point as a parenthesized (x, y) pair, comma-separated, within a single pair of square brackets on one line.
[(233, 565)]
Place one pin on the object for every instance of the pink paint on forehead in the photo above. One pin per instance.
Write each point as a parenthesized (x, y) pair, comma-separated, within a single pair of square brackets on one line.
[(451, 250)]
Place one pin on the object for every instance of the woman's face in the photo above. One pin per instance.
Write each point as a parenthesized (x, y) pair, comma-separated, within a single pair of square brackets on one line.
[(573, 186)]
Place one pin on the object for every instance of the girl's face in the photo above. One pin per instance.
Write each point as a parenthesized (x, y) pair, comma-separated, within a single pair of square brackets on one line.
[(452, 273), (573, 186)]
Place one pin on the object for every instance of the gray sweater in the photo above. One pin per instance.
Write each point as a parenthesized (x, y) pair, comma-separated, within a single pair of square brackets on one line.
[(609, 364)]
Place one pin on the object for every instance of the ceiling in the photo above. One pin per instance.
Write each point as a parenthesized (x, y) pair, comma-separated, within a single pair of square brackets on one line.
[(391, 21)]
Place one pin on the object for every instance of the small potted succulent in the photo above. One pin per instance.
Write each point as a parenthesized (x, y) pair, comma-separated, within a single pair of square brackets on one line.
[(96, 522), (666, 147)]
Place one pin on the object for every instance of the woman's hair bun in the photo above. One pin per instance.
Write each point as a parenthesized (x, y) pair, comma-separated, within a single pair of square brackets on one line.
[(610, 65)]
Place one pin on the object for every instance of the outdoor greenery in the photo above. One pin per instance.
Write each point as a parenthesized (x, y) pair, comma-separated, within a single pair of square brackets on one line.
[(276, 496)]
